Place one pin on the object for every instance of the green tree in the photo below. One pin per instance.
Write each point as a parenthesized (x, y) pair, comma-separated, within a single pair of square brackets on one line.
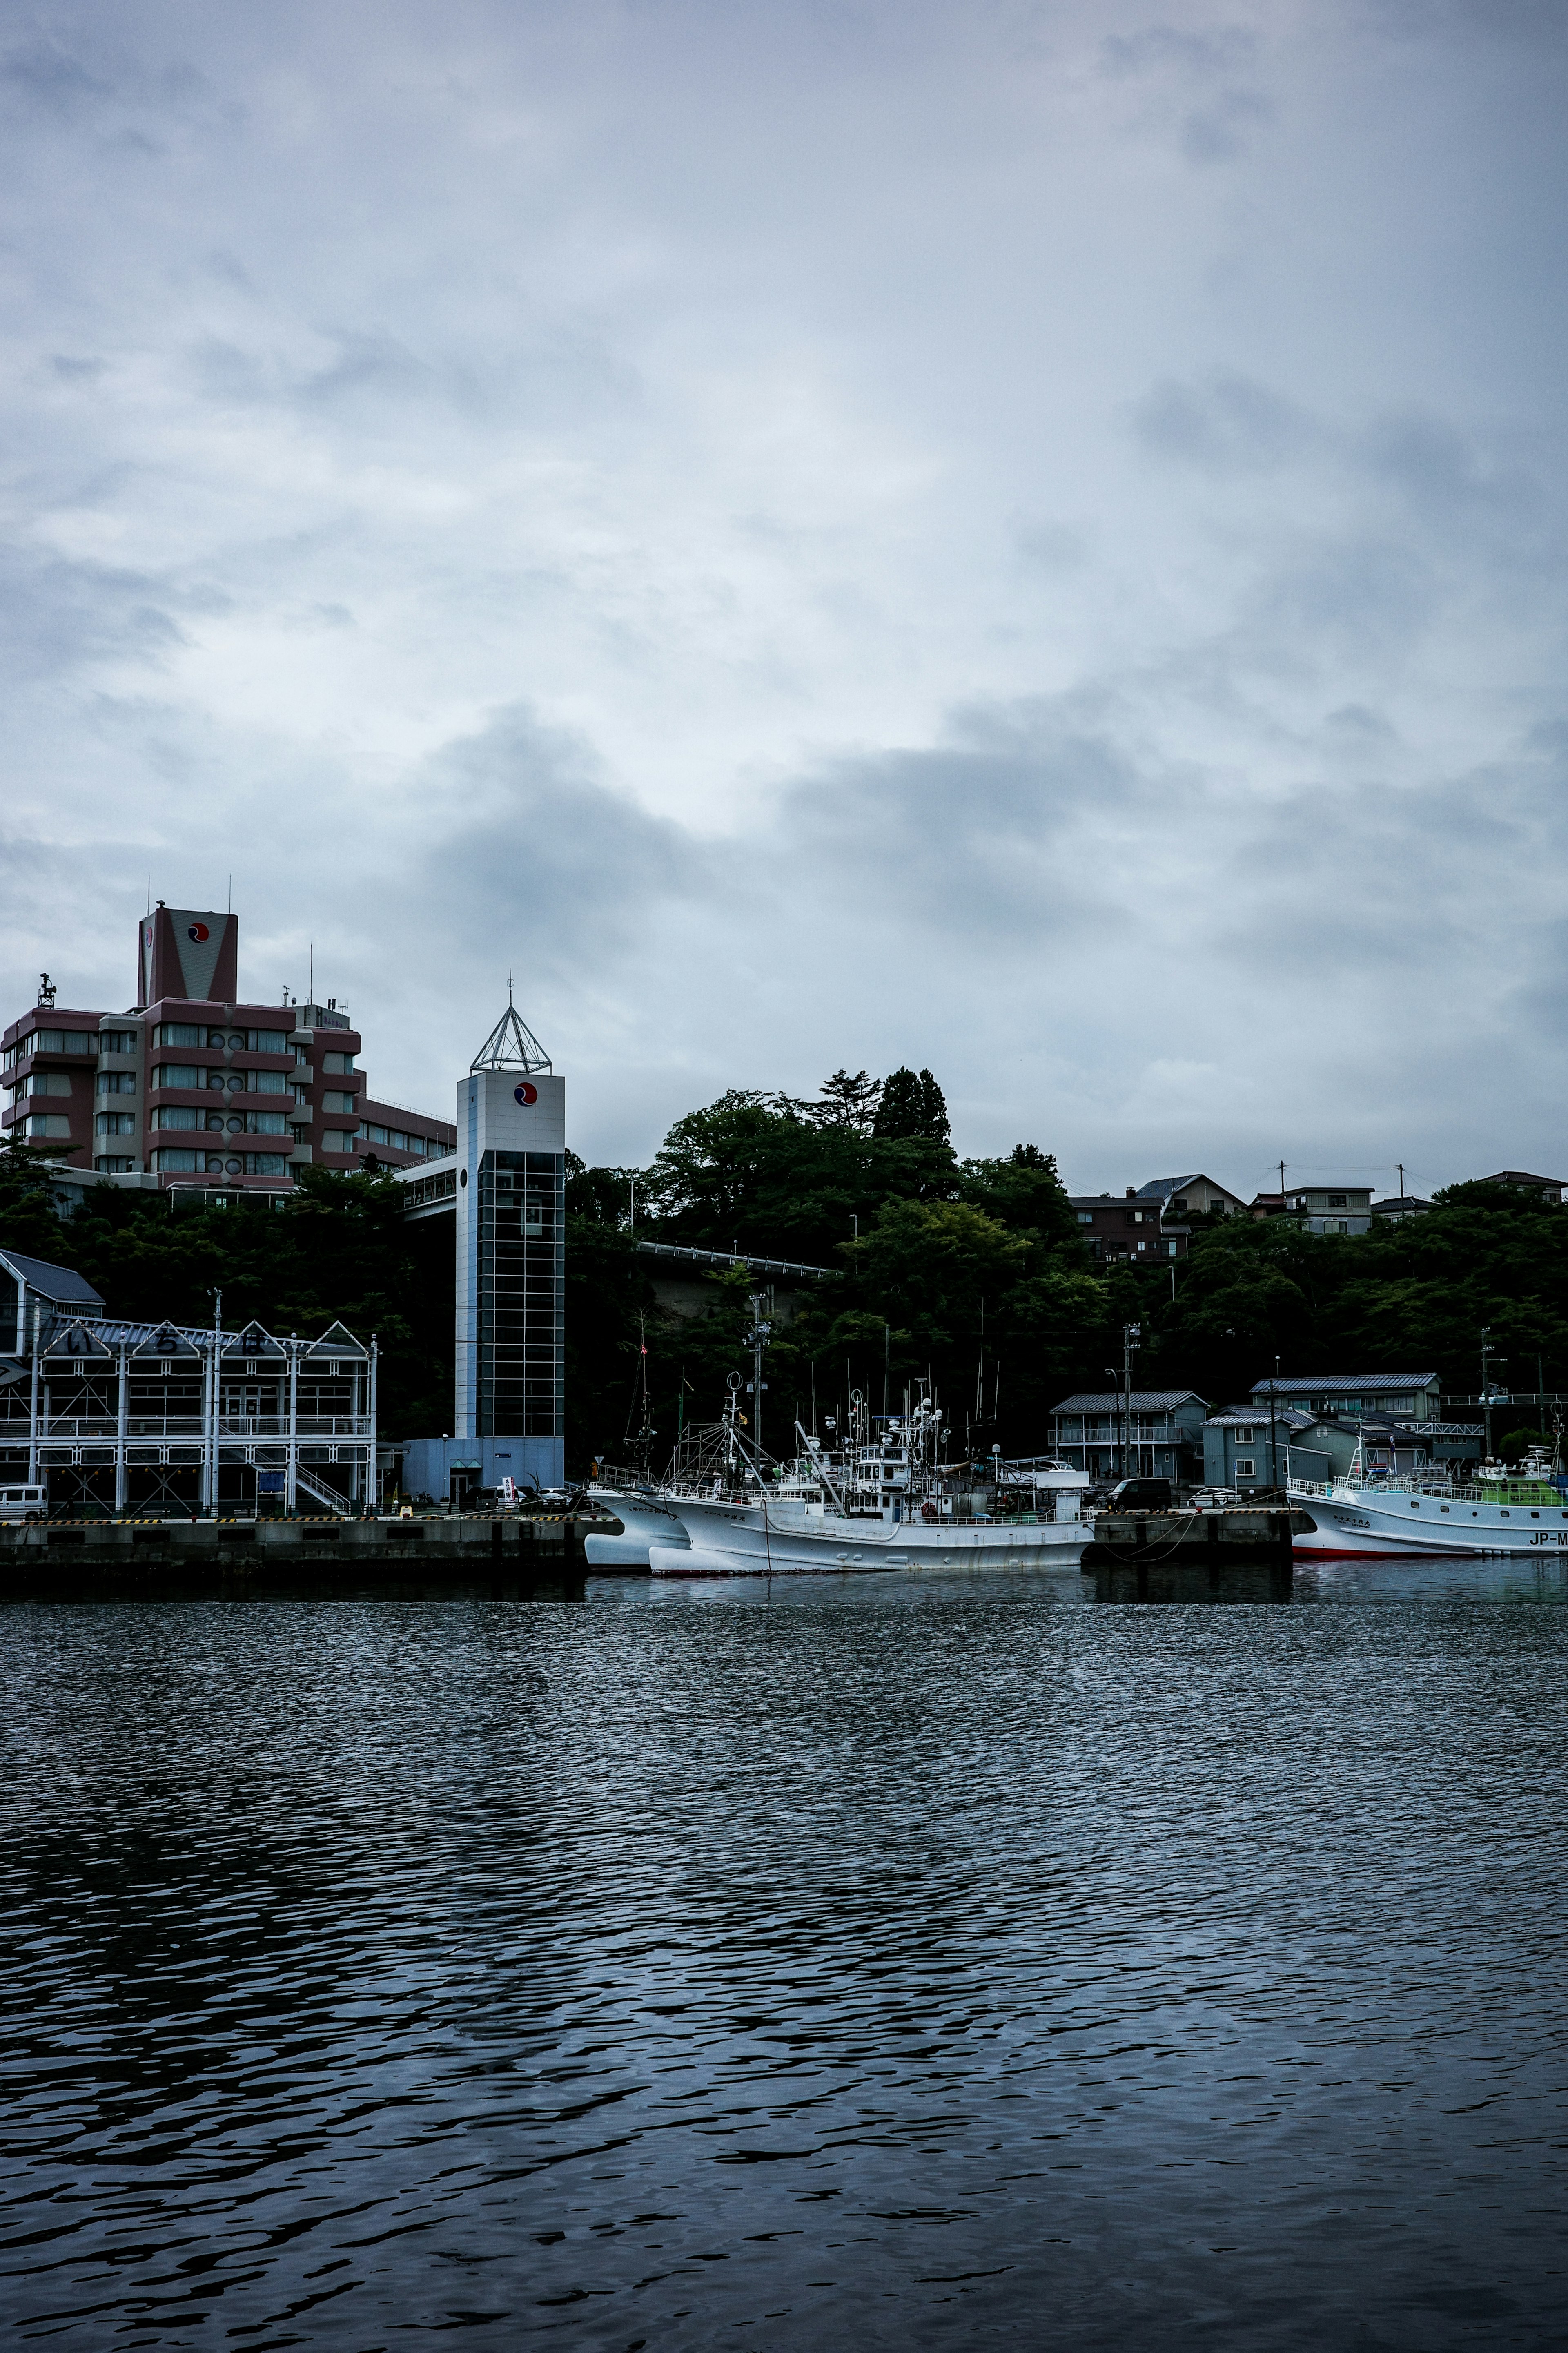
[(911, 1105)]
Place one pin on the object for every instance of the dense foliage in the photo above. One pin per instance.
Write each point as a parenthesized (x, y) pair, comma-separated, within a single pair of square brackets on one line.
[(968, 1272)]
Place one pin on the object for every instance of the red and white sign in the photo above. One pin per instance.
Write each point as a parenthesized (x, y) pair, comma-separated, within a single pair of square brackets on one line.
[(198, 931), (526, 1093)]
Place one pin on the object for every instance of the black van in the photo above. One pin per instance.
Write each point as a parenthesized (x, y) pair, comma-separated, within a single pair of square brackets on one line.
[(1140, 1495)]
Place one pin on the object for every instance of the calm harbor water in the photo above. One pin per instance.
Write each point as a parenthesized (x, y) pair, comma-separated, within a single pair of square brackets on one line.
[(883, 1962)]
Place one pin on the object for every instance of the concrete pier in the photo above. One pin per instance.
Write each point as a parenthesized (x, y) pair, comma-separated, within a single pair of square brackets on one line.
[(184, 1559), (1230, 1538)]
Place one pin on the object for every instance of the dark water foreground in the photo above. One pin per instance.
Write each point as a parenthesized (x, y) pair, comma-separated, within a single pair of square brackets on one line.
[(876, 1964)]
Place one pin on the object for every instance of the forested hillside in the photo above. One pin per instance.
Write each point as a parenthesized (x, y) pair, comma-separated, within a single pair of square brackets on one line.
[(969, 1271)]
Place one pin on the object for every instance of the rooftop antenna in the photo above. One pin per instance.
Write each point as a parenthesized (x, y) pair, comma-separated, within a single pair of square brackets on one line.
[(149, 894), (231, 894), (311, 984)]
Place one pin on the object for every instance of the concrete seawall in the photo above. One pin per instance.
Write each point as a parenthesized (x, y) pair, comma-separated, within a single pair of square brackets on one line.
[(148, 1559)]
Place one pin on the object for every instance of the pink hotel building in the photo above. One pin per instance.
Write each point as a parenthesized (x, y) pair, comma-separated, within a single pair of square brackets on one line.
[(133, 1098)]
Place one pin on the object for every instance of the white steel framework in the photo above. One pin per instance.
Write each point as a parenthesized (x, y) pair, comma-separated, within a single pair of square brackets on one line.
[(113, 1415)]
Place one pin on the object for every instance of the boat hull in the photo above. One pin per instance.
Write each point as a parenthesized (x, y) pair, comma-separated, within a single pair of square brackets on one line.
[(645, 1520), (734, 1540), (1366, 1524)]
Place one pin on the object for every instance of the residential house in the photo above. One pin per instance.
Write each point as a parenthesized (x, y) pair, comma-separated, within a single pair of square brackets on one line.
[(1398, 1206), (1191, 1197), (1088, 1431), (1128, 1225), (1239, 1446), (1546, 1188), (1331, 1209), (1403, 1397)]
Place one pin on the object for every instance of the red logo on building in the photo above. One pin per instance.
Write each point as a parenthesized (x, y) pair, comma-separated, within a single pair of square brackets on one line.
[(198, 931), (525, 1093)]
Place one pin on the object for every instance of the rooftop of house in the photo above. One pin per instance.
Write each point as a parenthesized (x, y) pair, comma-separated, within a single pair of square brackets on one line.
[(62, 1285), (1161, 1188), (1331, 1384), (1114, 1400), (1521, 1177)]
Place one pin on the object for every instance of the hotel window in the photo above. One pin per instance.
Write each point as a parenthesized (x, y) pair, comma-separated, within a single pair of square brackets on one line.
[(334, 1140), (49, 1123), (338, 1103), (115, 1165), (266, 1041), (340, 1065), (266, 1164), (178, 1074), (115, 1123), (301, 1095), (50, 1082), (266, 1123), (176, 1115), (376, 1135), (117, 1083), (266, 1083), (177, 1033), (118, 1041), (177, 1162)]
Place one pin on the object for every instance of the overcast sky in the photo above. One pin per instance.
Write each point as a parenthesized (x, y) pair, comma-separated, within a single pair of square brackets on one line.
[(1027, 538)]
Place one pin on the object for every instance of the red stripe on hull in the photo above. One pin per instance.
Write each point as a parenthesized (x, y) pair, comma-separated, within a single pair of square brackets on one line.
[(1405, 1552)]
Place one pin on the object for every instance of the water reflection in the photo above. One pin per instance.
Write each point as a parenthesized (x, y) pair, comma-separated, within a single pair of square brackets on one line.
[(887, 1960)]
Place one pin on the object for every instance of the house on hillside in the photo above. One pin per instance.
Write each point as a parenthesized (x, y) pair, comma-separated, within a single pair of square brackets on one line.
[(1128, 1225), (1545, 1189), (1397, 1207), (1191, 1197), (1330, 1208)]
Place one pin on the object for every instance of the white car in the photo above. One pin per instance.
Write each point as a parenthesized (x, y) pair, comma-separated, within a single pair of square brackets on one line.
[(24, 1503), (1211, 1499)]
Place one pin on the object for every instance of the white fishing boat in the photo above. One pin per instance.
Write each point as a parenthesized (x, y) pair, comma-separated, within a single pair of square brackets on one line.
[(708, 1459), (1377, 1514), (884, 1505)]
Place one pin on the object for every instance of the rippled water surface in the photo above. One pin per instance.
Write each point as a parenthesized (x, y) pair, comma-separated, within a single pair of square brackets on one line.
[(886, 1963)]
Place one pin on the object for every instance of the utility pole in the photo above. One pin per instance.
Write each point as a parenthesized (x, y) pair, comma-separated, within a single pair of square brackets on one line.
[(1274, 1428), (1131, 1337), (758, 1338)]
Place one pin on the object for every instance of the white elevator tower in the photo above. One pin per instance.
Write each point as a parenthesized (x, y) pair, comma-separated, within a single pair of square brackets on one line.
[(511, 1257)]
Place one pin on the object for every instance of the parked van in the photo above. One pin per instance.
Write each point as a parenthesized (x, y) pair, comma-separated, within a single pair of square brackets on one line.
[(24, 1503), (1140, 1495)]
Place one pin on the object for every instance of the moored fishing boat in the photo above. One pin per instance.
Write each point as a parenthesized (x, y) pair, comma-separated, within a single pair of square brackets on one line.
[(885, 1504), (1376, 1513)]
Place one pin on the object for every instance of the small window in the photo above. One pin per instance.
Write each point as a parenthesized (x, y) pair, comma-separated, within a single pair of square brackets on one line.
[(1244, 1467), (177, 1033), (267, 1041), (1337, 1201), (1085, 1217)]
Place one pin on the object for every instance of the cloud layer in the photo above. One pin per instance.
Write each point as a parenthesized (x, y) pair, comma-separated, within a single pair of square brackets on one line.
[(1025, 541)]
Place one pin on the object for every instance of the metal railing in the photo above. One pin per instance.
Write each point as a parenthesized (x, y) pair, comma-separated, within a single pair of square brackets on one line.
[(105, 1425)]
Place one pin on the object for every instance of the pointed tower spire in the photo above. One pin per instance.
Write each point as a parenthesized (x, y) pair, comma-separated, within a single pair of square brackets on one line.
[(511, 1044)]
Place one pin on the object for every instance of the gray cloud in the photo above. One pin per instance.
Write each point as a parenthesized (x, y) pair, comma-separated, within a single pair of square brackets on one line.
[(813, 540)]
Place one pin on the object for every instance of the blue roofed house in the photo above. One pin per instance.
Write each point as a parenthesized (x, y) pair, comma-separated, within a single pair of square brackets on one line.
[(1395, 1417), (1088, 1429), (45, 1289), (1191, 1197)]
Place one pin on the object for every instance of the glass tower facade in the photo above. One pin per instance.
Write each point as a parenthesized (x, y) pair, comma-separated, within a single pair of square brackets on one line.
[(521, 1272)]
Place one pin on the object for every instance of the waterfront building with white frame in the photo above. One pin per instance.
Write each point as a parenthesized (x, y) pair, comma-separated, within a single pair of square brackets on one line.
[(131, 1417)]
